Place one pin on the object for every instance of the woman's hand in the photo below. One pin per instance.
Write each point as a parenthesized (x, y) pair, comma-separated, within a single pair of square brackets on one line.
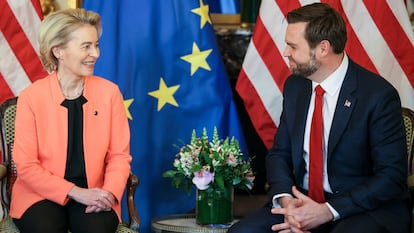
[(95, 199)]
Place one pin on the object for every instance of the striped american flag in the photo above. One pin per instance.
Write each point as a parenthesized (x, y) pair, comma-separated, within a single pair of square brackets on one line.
[(19, 54), (380, 38)]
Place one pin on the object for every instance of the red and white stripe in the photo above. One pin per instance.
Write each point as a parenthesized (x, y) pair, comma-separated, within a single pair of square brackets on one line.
[(380, 38), (19, 54)]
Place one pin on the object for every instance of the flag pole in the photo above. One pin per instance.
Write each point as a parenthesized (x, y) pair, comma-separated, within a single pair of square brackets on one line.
[(248, 12)]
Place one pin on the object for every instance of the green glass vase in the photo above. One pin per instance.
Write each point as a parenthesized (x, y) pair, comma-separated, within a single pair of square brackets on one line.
[(214, 206)]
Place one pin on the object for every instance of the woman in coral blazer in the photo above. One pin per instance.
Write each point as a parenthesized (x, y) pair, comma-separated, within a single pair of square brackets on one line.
[(71, 136)]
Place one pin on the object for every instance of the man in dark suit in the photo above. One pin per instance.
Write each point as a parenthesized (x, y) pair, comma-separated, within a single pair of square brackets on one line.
[(361, 187)]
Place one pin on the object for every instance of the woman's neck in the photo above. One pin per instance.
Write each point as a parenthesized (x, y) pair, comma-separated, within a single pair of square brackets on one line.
[(71, 87)]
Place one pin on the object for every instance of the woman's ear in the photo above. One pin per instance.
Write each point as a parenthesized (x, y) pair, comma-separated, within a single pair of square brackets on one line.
[(57, 52)]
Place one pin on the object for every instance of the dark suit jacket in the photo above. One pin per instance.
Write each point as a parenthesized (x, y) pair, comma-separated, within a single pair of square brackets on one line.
[(367, 155)]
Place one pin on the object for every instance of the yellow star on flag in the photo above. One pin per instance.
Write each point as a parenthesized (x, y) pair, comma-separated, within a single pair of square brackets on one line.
[(165, 94), (128, 103), (197, 59), (203, 12)]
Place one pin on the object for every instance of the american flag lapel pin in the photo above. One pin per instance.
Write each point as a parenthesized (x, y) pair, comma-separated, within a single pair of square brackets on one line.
[(347, 103)]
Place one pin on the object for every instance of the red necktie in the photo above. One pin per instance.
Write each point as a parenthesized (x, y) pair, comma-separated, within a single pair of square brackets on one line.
[(316, 150)]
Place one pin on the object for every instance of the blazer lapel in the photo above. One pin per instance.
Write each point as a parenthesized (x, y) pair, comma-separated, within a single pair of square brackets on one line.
[(344, 108)]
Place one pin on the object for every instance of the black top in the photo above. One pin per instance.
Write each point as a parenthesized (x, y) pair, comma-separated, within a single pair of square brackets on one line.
[(75, 162)]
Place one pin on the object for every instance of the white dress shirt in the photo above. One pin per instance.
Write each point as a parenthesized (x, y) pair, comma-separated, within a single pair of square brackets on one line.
[(332, 85)]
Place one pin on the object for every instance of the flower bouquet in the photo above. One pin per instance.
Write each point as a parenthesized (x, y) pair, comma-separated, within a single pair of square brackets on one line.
[(215, 167)]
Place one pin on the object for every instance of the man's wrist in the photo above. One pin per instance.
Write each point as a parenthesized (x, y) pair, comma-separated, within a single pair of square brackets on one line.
[(334, 213), (277, 197)]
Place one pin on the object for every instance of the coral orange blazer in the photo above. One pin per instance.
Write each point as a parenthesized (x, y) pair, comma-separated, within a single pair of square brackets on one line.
[(40, 147)]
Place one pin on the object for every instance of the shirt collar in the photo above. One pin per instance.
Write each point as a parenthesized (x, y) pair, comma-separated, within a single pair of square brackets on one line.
[(333, 82)]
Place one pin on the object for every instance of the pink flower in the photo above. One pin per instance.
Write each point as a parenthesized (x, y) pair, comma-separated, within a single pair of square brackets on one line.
[(202, 179)]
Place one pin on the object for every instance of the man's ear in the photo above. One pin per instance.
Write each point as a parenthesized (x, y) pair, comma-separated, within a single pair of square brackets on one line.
[(324, 47)]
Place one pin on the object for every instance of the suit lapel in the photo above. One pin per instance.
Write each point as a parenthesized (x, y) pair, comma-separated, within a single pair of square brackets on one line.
[(344, 107)]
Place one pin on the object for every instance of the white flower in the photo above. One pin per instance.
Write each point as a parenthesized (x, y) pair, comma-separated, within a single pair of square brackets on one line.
[(232, 161)]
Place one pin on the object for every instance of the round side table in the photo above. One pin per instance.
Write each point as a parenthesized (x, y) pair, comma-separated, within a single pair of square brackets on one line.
[(183, 223)]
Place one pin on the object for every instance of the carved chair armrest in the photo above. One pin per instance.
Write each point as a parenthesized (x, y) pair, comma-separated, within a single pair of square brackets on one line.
[(3, 171), (410, 182), (132, 185)]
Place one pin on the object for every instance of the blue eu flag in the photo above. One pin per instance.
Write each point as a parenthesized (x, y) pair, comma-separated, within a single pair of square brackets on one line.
[(225, 6), (164, 57)]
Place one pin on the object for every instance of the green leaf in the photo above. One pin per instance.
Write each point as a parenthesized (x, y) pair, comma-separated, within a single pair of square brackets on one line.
[(237, 181), (218, 178), (169, 173)]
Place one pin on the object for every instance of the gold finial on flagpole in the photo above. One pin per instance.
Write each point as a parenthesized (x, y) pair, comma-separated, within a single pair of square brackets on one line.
[(48, 6)]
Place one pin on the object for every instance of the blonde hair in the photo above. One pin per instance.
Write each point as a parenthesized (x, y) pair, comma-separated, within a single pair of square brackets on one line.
[(56, 28)]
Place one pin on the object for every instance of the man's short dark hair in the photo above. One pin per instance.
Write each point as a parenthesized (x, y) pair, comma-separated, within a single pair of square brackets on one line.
[(324, 23)]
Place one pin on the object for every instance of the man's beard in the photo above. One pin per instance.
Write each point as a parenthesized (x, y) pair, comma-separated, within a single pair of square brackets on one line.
[(307, 69)]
